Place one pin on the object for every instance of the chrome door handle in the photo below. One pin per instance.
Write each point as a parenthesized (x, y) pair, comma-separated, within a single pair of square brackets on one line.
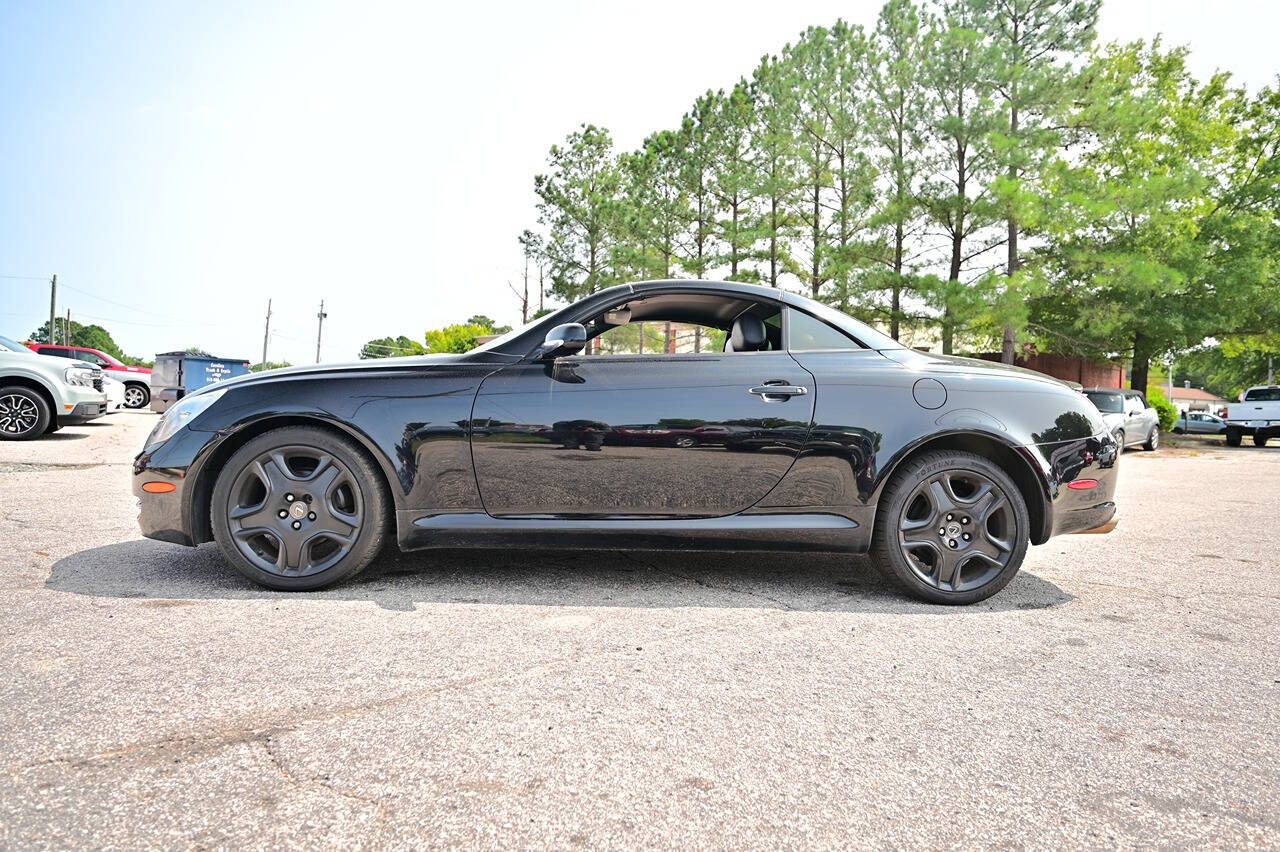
[(778, 392)]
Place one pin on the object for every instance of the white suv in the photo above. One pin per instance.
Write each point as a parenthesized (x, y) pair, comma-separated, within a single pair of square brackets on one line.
[(39, 394)]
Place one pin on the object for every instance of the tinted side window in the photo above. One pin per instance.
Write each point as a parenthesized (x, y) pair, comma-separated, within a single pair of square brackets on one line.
[(59, 351), (808, 333), (1263, 395)]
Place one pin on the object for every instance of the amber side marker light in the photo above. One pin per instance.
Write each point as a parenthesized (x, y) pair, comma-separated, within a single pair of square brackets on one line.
[(1077, 485), (158, 487)]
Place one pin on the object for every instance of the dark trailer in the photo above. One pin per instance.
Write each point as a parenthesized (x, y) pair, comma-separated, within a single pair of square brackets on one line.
[(177, 374)]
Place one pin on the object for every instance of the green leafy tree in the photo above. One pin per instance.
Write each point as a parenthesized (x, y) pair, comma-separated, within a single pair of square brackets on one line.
[(733, 180), (896, 98), (773, 172), (811, 61), (577, 197), (391, 347), (955, 195), (456, 338), (1141, 264), (697, 144), (91, 336), (262, 366), (1033, 42)]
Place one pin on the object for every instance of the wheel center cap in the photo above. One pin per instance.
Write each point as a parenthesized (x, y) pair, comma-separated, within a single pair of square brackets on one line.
[(953, 530), (298, 510)]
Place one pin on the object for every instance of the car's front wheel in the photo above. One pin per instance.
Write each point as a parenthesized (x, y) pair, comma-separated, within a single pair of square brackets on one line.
[(1260, 439), (1233, 437), (24, 414), (951, 528), (299, 508)]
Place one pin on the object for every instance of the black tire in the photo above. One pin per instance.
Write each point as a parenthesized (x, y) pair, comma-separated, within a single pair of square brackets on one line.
[(899, 508), (24, 414), (52, 427), (1233, 437), (136, 395), (1153, 439), (351, 515), (1260, 439)]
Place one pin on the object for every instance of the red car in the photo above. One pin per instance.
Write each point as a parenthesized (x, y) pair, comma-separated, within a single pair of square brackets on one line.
[(137, 380)]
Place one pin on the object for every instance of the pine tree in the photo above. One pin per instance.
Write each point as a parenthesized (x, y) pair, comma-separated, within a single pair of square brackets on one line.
[(577, 199), (961, 115), (896, 105), (773, 161), (732, 179), (1032, 41)]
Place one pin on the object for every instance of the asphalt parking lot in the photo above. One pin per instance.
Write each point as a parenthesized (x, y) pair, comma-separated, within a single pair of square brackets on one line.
[(1124, 690)]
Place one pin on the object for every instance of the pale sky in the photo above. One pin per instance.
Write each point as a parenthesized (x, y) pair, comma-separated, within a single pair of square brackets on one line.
[(178, 163)]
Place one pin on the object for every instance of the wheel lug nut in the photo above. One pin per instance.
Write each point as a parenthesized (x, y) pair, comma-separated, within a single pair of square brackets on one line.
[(311, 516), (964, 520), (949, 517), (283, 513), (297, 525), (288, 498), (951, 543), (941, 531), (966, 536)]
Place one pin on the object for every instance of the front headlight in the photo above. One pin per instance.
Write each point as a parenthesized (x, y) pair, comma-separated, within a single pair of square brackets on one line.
[(182, 413), (78, 376)]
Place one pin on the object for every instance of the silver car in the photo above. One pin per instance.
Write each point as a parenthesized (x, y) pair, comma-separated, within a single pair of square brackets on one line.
[(1200, 423), (1126, 413)]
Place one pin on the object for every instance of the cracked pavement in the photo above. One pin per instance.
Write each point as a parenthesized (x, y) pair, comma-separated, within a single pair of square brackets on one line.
[(1121, 691)]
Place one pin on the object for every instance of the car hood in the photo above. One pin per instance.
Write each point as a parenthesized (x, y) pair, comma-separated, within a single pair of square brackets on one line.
[(365, 366)]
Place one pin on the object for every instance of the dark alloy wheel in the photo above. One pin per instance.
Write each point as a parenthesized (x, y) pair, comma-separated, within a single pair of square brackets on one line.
[(953, 528), (1153, 440), (299, 508), (24, 414), (136, 396)]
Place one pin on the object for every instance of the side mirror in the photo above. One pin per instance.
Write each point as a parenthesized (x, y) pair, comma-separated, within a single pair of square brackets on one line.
[(567, 339)]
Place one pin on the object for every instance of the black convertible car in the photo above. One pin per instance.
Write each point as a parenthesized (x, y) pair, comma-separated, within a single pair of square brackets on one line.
[(765, 422)]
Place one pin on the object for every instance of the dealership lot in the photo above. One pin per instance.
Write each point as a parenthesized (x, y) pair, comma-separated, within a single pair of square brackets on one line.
[(1124, 689)]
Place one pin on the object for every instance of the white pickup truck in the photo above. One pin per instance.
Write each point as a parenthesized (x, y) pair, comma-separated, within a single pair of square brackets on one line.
[(1257, 414)]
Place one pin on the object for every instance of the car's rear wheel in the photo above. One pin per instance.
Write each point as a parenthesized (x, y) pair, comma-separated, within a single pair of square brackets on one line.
[(136, 395), (1153, 439), (951, 528), (24, 414), (299, 508)]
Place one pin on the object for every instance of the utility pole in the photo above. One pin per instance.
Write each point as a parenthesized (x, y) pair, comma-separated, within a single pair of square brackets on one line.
[(1271, 370), (319, 328), (66, 330), (266, 333), (53, 306)]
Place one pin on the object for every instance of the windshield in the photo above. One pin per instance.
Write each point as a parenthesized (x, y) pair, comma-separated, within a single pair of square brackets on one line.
[(13, 346), (1107, 403), (1263, 395), (516, 332)]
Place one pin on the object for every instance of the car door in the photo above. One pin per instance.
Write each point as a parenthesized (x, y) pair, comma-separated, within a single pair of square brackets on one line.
[(648, 435), (1135, 419)]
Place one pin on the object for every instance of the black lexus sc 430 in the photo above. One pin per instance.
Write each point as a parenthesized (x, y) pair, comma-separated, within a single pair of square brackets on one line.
[(667, 414)]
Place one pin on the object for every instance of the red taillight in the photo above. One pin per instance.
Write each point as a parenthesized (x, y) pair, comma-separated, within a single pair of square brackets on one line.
[(1082, 484), (158, 487)]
